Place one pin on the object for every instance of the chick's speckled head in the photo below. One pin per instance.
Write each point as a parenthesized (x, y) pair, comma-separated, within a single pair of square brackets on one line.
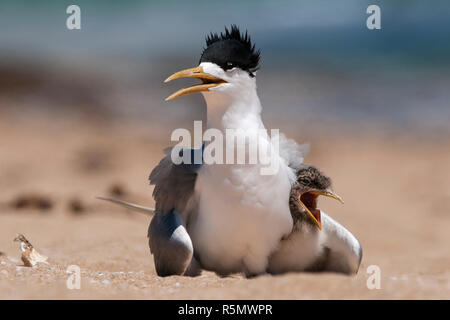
[(312, 178), (311, 183)]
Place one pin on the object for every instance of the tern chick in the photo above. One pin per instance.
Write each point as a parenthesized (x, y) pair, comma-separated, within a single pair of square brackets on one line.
[(317, 242)]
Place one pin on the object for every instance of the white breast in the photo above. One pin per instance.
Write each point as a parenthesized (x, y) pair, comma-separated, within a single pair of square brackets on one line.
[(305, 247), (242, 216), (300, 251)]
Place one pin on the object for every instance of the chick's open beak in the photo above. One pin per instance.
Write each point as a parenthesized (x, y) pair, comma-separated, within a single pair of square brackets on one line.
[(315, 213), (209, 81), (329, 193)]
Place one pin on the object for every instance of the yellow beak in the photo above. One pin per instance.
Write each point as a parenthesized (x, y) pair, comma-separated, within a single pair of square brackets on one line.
[(209, 81), (330, 194), (315, 217)]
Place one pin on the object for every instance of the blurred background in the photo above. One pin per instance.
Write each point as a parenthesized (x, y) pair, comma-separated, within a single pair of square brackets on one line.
[(319, 61), (82, 114)]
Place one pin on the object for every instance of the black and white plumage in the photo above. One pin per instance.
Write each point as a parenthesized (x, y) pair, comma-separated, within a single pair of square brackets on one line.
[(229, 218), (307, 248), (240, 214), (176, 197), (231, 49)]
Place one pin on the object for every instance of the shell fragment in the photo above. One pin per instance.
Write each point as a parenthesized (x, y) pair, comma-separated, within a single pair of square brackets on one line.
[(30, 256)]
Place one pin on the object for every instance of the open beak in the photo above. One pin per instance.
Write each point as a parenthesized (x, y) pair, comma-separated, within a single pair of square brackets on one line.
[(328, 193), (209, 81), (315, 214)]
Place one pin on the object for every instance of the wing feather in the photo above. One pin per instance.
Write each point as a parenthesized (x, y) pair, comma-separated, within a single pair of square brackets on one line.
[(174, 184)]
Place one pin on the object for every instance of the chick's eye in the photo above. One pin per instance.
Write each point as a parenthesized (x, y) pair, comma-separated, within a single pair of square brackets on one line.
[(230, 65)]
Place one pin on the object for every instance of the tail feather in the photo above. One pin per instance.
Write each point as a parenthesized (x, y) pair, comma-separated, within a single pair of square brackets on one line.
[(129, 205)]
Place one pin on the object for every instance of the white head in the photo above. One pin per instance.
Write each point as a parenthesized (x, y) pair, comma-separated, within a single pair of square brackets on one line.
[(226, 68)]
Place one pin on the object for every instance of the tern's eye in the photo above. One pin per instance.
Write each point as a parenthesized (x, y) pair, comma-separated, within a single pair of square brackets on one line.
[(230, 65)]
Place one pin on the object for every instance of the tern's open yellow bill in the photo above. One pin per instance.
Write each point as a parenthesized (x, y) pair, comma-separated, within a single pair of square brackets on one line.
[(209, 81)]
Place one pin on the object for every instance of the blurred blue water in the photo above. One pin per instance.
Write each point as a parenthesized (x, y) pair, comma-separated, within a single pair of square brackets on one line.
[(318, 56)]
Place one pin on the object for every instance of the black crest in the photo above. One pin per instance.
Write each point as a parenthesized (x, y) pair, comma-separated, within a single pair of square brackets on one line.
[(231, 49)]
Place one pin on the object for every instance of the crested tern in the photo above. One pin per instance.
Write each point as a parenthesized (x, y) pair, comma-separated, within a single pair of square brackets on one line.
[(230, 218)]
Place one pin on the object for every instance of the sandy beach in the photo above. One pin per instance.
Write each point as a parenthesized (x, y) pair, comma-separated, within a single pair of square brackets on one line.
[(397, 202)]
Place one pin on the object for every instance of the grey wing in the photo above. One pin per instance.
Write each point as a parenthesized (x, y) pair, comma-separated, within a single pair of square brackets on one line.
[(170, 244), (174, 184), (343, 250), (168, 239)]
